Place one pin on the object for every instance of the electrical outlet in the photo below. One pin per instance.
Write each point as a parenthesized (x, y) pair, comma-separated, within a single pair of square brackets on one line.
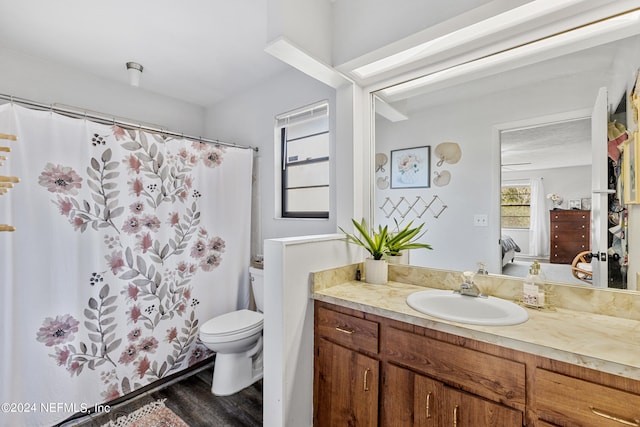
[(480, 220)]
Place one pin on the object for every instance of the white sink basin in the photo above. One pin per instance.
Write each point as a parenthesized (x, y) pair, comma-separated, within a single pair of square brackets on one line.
[(448, 305)]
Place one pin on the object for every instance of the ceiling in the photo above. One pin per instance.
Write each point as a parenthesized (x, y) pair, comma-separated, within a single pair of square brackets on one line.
[(547, 146), (200, 54), (553, 145)]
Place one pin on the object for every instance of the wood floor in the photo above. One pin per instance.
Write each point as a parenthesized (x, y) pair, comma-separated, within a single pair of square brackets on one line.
[(191, 400)]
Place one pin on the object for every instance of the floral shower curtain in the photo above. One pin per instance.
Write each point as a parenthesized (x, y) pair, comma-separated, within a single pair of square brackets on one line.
[(125, 242)]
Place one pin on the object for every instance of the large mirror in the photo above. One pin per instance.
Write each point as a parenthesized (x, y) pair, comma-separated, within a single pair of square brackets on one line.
[(523, 124)]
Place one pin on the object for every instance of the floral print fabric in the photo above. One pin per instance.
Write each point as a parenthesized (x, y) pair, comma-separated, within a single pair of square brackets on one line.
[(158, 252)]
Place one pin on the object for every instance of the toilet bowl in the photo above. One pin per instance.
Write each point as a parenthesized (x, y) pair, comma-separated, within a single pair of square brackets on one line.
[(236, 337)]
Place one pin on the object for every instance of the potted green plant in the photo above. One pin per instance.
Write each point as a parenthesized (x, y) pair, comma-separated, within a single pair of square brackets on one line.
[(374, 242), (403, 240)]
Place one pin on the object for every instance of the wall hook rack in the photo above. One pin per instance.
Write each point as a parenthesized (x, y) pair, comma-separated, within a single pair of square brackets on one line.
[(419, 207)]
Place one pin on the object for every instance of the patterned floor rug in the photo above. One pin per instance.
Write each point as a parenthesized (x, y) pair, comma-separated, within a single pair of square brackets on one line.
[(154, 414)]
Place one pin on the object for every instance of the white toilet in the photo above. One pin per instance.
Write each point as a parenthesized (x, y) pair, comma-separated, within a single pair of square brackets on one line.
[(236, 337)]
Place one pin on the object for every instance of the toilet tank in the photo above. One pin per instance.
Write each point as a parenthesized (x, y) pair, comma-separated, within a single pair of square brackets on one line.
[(257, 285)]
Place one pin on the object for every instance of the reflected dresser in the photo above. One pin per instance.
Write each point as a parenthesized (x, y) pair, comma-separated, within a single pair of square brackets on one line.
[(569, 234)]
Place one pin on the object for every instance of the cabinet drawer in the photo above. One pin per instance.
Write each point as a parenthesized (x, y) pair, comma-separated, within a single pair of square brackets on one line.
[(486, 375), (562, 399), (350, 331), (578, 216), (569, 236), (569, 226)]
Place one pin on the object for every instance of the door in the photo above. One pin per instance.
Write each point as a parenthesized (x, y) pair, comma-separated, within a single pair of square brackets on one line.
[(599, 190), (346, 387)]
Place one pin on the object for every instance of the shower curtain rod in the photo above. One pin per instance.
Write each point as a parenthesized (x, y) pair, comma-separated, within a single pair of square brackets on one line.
[(105, 119)]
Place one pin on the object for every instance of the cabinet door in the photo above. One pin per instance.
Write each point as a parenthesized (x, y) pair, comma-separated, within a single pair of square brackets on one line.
[(397, 397), (346, 387), (427, 401), (465, 410), (409, 399)]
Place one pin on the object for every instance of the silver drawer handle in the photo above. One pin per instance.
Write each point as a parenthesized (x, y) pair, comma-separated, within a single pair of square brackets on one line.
[(600, 413)]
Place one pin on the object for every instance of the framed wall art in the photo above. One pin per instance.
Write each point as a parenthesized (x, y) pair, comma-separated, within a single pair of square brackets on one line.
[(410, 167)]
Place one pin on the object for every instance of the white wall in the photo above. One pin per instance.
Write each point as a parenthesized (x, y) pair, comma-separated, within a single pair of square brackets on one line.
[(249, 118), (457, 243), (46, 82), (288, 322)]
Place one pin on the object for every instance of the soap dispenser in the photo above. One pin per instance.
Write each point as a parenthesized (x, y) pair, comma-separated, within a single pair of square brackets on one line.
[(530, 289), (534, 289), (539, 280)]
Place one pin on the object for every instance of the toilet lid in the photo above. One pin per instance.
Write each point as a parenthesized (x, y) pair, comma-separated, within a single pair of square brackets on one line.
[(232, 323)]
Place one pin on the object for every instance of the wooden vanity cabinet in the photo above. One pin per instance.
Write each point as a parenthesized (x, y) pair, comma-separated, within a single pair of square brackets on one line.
[(373, 371), (368, 373), (346, 376), (411, 399), (447, 383)]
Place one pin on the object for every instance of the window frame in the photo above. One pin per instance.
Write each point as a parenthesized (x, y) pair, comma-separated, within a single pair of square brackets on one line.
[(285, 165), (502, 205)]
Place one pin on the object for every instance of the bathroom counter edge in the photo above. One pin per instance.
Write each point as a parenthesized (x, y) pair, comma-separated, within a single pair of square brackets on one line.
[(594, 341)]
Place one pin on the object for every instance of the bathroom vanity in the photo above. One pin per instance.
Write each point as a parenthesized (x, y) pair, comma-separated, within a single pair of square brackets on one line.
[(378, 362)]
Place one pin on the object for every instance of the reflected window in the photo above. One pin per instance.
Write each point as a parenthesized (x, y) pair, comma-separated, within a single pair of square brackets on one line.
[(304, 145), (515, 206)]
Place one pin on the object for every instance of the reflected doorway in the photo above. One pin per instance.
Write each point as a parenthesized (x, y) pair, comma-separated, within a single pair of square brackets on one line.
[(545, 174)]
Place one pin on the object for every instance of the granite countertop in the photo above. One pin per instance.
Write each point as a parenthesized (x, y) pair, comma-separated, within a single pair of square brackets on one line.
[(604, 343)]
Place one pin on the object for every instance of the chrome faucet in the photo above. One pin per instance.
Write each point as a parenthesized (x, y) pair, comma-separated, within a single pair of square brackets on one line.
[(468, 288)]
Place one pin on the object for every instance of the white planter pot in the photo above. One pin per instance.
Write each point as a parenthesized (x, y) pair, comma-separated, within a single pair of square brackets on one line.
[(402, 258), (376, 272)]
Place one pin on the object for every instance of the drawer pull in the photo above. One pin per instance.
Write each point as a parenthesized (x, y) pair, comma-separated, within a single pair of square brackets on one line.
[(365, 385), (344, 331), (601, 413), (455, 416), (428, 405)]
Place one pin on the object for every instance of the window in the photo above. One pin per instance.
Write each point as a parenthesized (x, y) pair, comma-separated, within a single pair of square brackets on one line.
[(515, 206), (304, 145)]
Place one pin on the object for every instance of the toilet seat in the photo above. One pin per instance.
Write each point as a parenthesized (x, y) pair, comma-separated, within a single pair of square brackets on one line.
[(232, 326)]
